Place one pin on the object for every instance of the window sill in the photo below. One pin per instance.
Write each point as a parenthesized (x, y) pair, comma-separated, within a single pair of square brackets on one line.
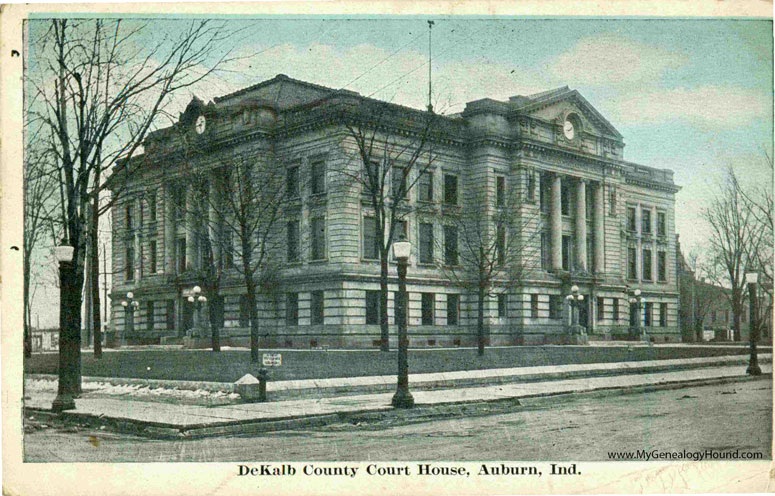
[(426, 265), (318, 261)]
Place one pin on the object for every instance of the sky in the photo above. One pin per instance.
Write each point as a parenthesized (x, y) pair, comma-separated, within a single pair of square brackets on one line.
[(693, 96)]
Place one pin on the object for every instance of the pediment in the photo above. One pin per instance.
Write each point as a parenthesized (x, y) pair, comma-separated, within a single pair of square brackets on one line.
[(557, 105)]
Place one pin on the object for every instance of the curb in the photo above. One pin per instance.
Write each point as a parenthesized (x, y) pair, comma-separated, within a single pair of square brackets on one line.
[(160, 430)]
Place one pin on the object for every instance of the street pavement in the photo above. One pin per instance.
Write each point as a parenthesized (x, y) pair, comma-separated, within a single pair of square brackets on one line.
[(583, 428), (203, 420)]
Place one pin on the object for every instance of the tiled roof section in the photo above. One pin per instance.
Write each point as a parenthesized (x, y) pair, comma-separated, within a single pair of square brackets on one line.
[(278, 80)]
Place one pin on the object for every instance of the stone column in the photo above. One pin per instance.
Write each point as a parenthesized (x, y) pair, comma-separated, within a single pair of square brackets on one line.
[(169, 232), (213, 222), (638, 247), (581, 224), (138, 261), (556, 215), (599, 223), (190, 231)]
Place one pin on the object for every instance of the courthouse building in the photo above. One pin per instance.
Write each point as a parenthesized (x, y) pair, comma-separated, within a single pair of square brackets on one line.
[(601, 223)]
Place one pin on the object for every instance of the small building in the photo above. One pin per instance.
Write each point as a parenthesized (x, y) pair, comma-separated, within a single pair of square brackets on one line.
[(44, 340)]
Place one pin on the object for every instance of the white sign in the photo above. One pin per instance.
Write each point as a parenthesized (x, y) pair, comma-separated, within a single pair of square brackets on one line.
[(272, 359)]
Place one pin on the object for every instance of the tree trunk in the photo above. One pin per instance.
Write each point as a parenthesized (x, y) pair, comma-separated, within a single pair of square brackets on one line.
[(216, 320), (71, 284), (698, 331), (736, 322), (94, 273), (480, 321), (383, 301), (27, 333), (251, 288)]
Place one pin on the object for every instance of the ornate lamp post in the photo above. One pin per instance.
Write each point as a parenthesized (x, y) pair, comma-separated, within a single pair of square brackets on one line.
[(638, 300), (197, 299), (130, 305), (577, 334), (403, 398), (69, 332), (753, 365)]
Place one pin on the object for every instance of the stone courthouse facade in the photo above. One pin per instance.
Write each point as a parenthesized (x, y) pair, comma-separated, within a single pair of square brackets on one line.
[(598, 222)]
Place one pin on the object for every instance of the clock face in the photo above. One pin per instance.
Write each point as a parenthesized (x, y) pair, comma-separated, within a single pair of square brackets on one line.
[(201, 122), (569, 129)]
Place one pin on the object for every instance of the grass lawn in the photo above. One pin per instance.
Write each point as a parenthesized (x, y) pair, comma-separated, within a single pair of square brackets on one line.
[(230, 365)]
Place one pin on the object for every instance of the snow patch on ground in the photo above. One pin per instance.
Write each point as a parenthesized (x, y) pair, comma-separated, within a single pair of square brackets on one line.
[(139, 392)]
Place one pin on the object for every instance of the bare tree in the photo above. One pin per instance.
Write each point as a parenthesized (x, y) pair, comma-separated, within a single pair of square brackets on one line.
[(99, 86), (244, 226), (392, 151), (39, 186), (490, 246), (698, 298), (731, 240)]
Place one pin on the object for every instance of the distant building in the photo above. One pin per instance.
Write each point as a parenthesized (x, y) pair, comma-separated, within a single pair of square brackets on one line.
[(44, 340), (604, 224)]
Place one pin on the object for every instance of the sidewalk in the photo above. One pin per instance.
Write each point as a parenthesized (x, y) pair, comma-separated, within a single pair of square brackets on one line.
[(175, 420)]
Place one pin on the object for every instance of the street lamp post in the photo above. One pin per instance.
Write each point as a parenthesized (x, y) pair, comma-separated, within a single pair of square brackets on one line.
[(753, 365), (130, 305), (197, 299), (69, 332), (577, 333), (638, 300), (403, 398)]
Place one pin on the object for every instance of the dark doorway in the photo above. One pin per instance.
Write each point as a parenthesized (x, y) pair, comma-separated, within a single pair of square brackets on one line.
[(584, 313), (188, 318)]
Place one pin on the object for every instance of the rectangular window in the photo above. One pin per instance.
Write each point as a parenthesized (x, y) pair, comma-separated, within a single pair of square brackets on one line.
[(129, 263), (244, 310), (426, 243), (450, 189), (503, 299), (179, 204), (427, 304), (450, 245), (149, 316), (292, 309), (318, 178), (152, 256), (531, 186), (228, 250), (181, 254), (632, 264), (649, 308), (317, 307), (372, 307), (545, 252), (645, 221), (500, 191), (663, 315), (170, 323), (661, 266), (453, 309), (566, 252), (318, 228), (293, 240), (611, 200), (565, 198), (426, 186), (591, 252), (555, 307), (616, 309), (631, 219), (292, 181), (370, 244), (533, 306), (152, 206), (129, 218), (600, 309), (647, 265), (661, 224), (500, 244), (399, 182), (544, 194)]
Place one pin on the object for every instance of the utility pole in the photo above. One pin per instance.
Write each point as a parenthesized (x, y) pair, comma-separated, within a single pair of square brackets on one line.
[(105, 283), (430, 61)]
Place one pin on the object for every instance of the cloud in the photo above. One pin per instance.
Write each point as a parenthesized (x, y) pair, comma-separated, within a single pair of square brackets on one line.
[(614, 60), (710, 106)]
